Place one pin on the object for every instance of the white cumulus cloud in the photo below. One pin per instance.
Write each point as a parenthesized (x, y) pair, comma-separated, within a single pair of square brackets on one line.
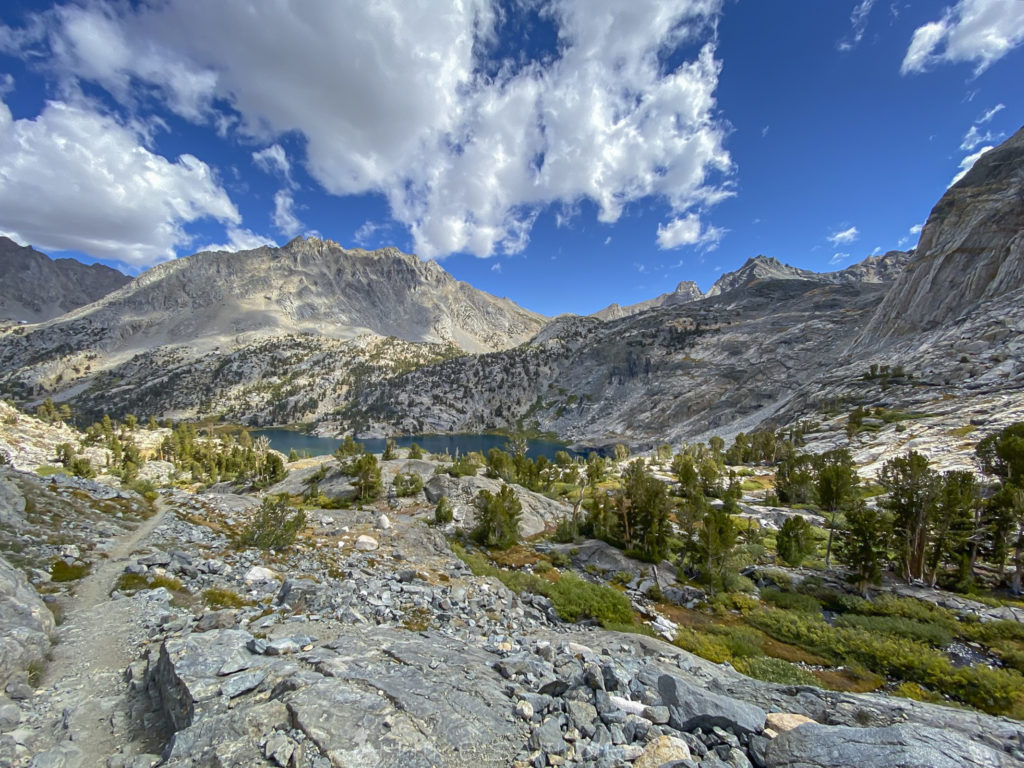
[(688, 230), (978, 31), (75, 179), (273, 159), (842, 237), (391, 97), (284, 213)]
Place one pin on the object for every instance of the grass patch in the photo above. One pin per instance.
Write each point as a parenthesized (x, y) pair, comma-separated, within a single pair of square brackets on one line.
[(49, 471), (963, 431), (36, 669), (573, 598), (775, 671), (219, 597), (61, 571), (996, 691)]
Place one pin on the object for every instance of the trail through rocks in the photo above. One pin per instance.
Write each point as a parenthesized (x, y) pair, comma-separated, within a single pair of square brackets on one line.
[(83, 692)]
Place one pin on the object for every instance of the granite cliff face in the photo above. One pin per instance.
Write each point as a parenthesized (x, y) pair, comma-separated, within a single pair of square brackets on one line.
[(971, 250), (35, 287), (720, 364)]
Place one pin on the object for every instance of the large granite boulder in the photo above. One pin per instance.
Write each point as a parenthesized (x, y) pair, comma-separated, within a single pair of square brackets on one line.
[(906, 746), (25, 623)]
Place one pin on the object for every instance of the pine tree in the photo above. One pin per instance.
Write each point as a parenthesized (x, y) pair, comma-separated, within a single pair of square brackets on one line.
[(912, 493), (863, 545), (498, 518)]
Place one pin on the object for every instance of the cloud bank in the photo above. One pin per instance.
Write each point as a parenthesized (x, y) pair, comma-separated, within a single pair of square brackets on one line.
[(411, 100)]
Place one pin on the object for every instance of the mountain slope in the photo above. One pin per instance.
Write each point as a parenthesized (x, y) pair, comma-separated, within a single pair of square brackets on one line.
[(35, 287), (199, 313), (664, 375)]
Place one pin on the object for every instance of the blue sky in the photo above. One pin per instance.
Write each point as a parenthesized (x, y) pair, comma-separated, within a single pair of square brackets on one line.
[(563, 153)]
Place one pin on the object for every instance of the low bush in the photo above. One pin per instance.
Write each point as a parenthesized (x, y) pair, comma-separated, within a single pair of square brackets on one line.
[(792, 601), (775, 671), (407, 485), (274, 526), (573, 598), (932, 634), (996, 691), (443, 512), (576, 599), (220, 597)]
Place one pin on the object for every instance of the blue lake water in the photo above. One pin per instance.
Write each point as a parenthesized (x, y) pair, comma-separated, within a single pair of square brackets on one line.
[(284, 440)]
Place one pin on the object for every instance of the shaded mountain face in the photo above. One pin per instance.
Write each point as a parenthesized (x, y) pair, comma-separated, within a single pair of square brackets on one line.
[(34, 287), (672, 373), (213, 305), (971, 250)]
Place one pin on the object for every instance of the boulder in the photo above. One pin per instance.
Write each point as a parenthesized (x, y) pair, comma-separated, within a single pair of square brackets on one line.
[(692, 707), (26, 624), (664, 749), (839, 746)]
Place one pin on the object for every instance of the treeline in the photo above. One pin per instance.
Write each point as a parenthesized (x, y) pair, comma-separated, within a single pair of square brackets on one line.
[(226, 457)]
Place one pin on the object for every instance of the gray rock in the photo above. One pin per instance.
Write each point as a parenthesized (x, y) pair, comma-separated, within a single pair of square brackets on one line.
[(691, 707), (26, 624), (837, 746)]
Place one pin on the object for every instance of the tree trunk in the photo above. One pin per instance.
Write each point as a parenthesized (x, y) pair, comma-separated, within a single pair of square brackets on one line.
[(1018, 561), (828, 546)]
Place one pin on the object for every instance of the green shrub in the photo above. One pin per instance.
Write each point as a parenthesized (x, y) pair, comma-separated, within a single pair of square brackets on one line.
[(572, 597), (443, 513), (464, 466), (274, 526), (933, 634), (408, 485), (415, 452), (724, 602), (497, 518), (996, 691), (700, 644), (61, 571), (792, 601), (575, 599), (775, 671)]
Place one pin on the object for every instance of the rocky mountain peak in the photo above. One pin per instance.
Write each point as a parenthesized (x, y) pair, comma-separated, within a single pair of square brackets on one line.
[(35, 287), (758, 268)]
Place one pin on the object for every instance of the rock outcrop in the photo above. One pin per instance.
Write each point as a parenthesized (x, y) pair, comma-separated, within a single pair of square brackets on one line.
[(34, 287), (25, 624)]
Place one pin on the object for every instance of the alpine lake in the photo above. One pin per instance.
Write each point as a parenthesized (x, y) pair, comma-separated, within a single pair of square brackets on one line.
[(287, 440)]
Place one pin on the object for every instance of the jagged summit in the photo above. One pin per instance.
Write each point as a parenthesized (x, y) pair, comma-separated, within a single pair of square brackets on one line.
[(306, 286), (759, 268), (685, 292), (35, 287)]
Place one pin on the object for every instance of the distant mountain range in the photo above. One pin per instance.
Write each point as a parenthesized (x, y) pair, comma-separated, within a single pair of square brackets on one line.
[(382, 342), (35, 287)]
